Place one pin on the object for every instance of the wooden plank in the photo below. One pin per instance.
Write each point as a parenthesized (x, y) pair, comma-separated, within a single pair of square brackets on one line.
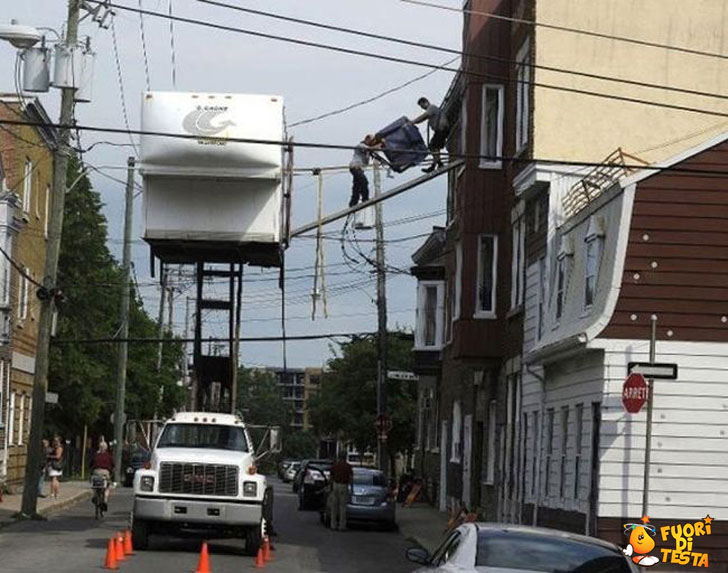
[(686, 334), (714, 501), (659, 484), (671, 320), (679, 210), (649, 221), (666, 470), (668, 292), (682, 265), (374, 200), (650, 249), (678, 279), (713, 194), (680, 237)]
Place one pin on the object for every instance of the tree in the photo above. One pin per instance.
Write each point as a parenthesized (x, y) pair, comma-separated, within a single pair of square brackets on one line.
[(84, 375), (260, 400), (346, 404)]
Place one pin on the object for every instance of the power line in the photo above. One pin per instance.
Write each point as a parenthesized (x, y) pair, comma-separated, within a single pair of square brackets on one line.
[(560, 28), (484, 57), (311, 145), (144, 44), (394, 59), (210, 339), (120, 79), (172, 55)]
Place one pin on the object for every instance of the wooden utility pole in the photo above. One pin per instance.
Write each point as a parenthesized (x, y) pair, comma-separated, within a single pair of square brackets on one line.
[(382, 454), (48, 293), (119, 412)]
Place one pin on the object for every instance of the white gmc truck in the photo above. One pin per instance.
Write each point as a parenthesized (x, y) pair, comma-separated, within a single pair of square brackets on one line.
[(202, 477)]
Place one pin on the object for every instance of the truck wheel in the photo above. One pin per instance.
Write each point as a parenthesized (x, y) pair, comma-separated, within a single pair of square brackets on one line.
[(140, 534), (254, 539)]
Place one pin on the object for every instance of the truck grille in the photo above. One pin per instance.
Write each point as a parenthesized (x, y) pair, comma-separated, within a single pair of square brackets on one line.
[(198, 479)]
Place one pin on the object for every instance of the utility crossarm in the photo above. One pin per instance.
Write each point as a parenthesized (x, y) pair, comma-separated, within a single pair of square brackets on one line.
[(384, 196)]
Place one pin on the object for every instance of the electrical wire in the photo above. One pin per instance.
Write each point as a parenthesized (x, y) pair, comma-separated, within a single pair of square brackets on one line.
[(172, 55), (482, 57), (383, 57), (120, 79), (560, 28), (144, 42)]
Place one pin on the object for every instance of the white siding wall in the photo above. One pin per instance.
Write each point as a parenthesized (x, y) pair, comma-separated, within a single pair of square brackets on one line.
[(689, 470)]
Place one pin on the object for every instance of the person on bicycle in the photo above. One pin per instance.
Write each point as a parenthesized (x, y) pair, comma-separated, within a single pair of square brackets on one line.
[(103, 465)]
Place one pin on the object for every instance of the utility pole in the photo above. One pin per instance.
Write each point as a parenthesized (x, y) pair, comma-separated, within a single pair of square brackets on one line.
[(119, 413), (382, 454), (648, 429), (48, 293)]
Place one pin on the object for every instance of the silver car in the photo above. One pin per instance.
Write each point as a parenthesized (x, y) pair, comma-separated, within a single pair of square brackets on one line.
[(291, 471), (372, 500), (502, 548)]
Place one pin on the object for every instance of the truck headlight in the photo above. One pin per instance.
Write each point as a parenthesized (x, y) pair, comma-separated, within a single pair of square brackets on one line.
[(250, 489), (146, 483)]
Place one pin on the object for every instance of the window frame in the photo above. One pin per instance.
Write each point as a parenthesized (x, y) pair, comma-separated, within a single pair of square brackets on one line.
[(564, 449), (420, 319), (458, 286), (456, 446), (542, 297), (46, 218), (593, 242), (550, 418), (518, 248), (578, 446), (523, 95), (21, 418), (10, 431), (27, 185), (490, 444), (535, 486), (479, 312), (484, 125)]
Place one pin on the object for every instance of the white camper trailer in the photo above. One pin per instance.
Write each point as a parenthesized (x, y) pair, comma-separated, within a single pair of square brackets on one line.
[(207, 195)]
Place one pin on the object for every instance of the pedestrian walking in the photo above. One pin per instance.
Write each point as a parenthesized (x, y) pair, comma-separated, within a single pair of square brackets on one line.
[(43, 466), (440, 127), (360, 183), (342, 477), (55, 466)]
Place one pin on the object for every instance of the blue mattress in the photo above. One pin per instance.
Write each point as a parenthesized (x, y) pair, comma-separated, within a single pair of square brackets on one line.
[(404, 147)]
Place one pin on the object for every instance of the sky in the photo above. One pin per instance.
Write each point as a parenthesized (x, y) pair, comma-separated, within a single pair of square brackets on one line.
[(311, 81)]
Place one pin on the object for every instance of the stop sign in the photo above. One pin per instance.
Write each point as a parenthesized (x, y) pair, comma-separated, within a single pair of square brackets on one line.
[(634, 393)]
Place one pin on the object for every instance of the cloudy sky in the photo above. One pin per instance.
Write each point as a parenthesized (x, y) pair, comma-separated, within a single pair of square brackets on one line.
[(313, 82)]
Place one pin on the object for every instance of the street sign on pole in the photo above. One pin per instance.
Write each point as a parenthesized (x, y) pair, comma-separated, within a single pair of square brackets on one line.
[(660, 371), (634, 393), (399, 375)]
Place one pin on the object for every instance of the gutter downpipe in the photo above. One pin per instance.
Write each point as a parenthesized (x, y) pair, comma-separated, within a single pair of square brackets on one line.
[(539, 471)]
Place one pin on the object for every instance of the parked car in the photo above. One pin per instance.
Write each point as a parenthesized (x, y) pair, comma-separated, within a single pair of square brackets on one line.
[(283, 467), (139, 458), (290, 474), (310, 483), (372, 500), (501, 548)]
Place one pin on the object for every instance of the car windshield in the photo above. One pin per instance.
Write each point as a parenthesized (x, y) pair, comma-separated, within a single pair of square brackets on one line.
[(209, 436), (369, 478), (537, 552)]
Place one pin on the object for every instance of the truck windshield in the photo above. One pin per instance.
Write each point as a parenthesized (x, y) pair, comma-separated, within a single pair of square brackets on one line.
[(203, 436)]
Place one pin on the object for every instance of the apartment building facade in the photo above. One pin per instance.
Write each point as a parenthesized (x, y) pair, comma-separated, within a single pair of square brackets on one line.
[(27, 164), (298, 386)]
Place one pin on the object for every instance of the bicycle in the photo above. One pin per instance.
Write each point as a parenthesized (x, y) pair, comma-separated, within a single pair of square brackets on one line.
[(99, 485)]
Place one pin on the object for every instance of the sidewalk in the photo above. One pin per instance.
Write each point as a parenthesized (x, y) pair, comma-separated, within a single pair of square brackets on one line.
[(71, 492), (423, 524)]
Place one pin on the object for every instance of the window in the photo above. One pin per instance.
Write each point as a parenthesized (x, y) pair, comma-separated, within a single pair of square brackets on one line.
[(487, 273), (46, 212), (443, 553), (2, 393), (594, 240), (517, 263), (578, 435), (491, 128), (564, 445), (523, 95), (27, 184), (490, 441), (449, 309), (549, 450), (6, 273), (21, 418), (430, 306), (11, 420), (458, 281), (542, 293), (23, 293), (456, 453), (464, 125), (560, 283), (535, 454)]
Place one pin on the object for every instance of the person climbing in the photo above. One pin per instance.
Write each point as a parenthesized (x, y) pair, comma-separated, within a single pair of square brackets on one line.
[(360, 183), (440, 126)]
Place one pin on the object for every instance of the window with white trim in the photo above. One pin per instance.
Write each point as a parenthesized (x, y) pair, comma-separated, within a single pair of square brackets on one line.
[(578, 437), (490, 444), (458, 281), (430, 315), (11, 419), (593, 258), (491, 127), (27, 184), (23, 291), (487, 276), (564, 446), (5, 273), (542, 295), (560, 287), (456, 450), (518, 258), (523, 95), (46, 212), (21, 418)]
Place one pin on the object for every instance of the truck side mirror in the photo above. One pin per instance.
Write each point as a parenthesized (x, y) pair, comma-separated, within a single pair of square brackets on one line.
[(275, 440)]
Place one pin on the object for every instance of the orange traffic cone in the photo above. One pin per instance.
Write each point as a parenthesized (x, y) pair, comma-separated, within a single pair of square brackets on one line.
[(119, 547), (111, 556), (128, 547), (260, 559), (266, 549), (203, 565)]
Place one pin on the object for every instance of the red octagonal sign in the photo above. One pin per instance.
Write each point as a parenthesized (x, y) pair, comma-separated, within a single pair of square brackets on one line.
[(634, 393)]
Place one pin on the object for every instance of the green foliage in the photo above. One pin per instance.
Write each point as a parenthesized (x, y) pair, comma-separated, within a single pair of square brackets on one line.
[(84, 375), (260, 400), (299, 445), (346, 404)]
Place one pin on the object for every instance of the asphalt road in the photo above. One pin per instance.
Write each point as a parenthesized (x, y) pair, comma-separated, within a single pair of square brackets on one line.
[(73, 541)]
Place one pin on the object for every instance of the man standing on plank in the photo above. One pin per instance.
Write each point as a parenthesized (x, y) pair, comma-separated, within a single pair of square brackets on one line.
[(440, 127)]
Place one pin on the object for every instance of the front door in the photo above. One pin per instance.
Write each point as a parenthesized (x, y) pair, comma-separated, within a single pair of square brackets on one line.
[(467, 457)]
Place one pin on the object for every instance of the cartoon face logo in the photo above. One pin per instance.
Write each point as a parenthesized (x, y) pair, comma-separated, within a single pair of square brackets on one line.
[(640, 543)]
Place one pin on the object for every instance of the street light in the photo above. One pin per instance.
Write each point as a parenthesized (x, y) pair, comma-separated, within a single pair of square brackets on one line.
[(22, 37)]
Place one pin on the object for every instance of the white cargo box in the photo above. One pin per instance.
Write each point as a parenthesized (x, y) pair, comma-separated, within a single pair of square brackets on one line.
[(206, 196)]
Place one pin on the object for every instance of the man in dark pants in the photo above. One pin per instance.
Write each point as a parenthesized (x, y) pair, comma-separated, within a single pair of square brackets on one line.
[(342, 476), (440, 127), (360, 183)]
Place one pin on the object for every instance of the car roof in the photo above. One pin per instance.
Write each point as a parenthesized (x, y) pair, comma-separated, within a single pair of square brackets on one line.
[(543, 531), (361, 470)]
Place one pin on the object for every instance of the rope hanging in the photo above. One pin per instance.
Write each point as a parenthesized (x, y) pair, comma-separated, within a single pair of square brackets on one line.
[(319, 266)]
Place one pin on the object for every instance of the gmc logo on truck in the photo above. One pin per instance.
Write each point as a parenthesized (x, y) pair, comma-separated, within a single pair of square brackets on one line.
[(199, 479)]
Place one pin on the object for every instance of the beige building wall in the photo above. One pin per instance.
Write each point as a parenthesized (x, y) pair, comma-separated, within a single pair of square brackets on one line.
[(581, 127)]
